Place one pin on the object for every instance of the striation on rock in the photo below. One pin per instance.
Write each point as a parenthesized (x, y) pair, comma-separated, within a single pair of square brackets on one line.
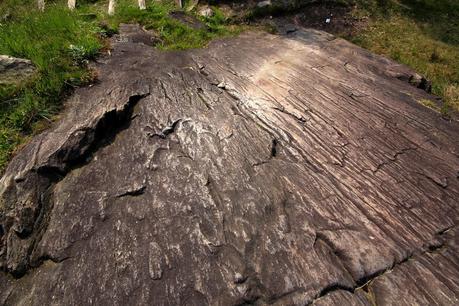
[(261, 170)]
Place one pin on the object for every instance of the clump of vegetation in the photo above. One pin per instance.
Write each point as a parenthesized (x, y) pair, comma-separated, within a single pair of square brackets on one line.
[(60, 43), (430, 104), (451, 96), (173, 33), (423, 34)]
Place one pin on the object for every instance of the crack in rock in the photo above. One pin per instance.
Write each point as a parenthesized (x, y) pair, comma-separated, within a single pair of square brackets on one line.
[(391, 160), (27, 231), (441, 182), (166, 131), (133, 192), (365, 281)]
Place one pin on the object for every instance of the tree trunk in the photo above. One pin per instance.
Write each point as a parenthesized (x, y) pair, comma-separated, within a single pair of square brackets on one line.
[(179, 3), (41, 5), (111, 7), (72, 4), (142, 4)]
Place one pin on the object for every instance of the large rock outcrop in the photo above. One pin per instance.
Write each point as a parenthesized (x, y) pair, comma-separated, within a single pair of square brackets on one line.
[(261, 170)]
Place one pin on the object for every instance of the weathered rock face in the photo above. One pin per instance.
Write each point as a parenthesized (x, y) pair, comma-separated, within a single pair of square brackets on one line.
[(264, 169), (14, 70)]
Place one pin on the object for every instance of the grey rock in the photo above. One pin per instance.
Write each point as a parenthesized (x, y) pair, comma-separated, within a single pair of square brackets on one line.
[(239, 278), (420, 82), (312, 176), (188, 20), (134, 33), (264, 3), (15, 70), (206, 11), (191, 4), (284, 4)]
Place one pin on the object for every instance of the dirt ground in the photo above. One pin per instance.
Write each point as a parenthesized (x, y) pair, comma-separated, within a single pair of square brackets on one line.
[(334, 19)]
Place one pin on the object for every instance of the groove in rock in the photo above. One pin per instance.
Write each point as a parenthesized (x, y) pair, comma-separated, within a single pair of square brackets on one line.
[(104, 132), (166, 131), (133, 193), (365, 281)]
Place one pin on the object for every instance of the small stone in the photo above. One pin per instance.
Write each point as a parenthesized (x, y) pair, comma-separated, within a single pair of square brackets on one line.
[(206, 12), (14, 70), (415, 79), (420, 82), (239, 278), (290, 29), (155, 261), (425, 85), (191, 4), (6, 17), (264, 3)]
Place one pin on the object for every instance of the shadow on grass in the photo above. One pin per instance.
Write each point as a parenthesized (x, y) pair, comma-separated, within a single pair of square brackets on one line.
[(423, 34), (440, 18)]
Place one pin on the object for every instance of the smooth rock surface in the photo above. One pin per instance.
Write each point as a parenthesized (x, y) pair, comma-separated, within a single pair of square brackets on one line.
[(263, 169)]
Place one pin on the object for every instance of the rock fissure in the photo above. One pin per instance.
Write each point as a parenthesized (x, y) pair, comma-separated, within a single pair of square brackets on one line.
[(133, 192), (167, 130), (392, 159), (364, 282), (440, 182), (32, 229), (300, 119)]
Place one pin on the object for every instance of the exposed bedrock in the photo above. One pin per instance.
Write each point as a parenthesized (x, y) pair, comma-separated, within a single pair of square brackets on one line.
[(260, 170)]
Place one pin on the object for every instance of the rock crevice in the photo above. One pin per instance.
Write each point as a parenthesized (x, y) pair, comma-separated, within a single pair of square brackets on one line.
[(40, 179)]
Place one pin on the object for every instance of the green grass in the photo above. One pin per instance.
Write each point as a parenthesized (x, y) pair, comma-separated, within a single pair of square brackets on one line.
[(423, 34), (60, 43), (57, 42), (174, 35), (430, 104)]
